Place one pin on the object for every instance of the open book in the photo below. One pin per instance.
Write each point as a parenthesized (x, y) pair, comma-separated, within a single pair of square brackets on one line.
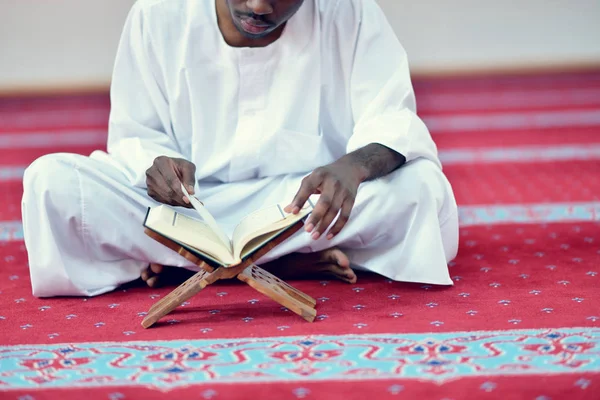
[(203, 236)]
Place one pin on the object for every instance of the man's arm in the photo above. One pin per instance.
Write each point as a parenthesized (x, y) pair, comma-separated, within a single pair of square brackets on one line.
[(338, 184), (373, 161), (140, 124), (387, 131), (381, 91)]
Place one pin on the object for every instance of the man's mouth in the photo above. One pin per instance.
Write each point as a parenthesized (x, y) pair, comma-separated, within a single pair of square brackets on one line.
[(253, 26)]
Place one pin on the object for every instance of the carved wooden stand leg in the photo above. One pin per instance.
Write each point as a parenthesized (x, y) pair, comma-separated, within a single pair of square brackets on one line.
[(276, 289), (256, 277), (182, 293)]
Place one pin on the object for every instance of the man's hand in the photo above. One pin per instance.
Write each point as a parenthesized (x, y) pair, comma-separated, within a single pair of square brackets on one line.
[(338, 184), (164, 179)]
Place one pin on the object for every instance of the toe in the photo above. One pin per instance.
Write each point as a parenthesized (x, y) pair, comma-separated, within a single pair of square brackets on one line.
[(347, 275), (351, 277), (153, 282), (338, 257), (156, 268), (146, 274), (341, 273)]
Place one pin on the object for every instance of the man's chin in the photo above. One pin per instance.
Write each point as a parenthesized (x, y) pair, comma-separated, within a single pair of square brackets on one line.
[(251, 35)]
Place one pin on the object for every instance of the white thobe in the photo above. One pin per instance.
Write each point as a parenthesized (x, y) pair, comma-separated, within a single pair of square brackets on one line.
[(254, 121)]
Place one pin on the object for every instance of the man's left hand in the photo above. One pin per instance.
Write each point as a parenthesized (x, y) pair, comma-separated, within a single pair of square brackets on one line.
[(337, 184)]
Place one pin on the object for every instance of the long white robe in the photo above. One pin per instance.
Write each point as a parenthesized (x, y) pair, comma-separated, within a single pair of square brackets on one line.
[(254, 121)]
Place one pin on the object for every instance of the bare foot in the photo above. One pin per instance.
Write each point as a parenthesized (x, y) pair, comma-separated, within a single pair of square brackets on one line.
[(157, 275), (331, 263)]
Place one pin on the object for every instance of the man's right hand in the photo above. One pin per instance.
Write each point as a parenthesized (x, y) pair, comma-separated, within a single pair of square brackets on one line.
[(164, 179)]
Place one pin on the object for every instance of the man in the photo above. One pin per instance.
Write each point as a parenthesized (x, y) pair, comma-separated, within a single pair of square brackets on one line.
[(249, 103)]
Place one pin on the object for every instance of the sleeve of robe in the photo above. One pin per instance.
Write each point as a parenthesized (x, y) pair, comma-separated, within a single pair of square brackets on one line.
[(381, 92), (139, 124)]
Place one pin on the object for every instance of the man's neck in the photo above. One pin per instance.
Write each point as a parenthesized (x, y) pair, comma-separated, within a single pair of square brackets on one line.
[(233, 37)]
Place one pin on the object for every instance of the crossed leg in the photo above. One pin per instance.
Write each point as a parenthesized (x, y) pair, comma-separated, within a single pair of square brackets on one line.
[(84, 235), (326, 264), (403, 226)]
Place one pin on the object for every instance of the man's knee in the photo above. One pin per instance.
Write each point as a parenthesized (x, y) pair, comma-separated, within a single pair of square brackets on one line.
[(54, 177), (417, 184)]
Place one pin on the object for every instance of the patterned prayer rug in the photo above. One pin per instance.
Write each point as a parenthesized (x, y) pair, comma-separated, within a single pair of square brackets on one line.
[(521, 322)]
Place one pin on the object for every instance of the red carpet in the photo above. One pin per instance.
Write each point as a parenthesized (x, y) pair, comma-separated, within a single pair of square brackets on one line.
[(522, 321)]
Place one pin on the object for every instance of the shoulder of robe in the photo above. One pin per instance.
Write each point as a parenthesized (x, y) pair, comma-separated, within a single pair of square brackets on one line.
[(347, 13), (345, 16), (164, 16), (339, 20), (168, 22), (149, 7)]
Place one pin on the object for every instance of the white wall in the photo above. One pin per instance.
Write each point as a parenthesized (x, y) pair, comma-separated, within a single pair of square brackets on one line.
[(72, 42), (483, 34), (59, 42)]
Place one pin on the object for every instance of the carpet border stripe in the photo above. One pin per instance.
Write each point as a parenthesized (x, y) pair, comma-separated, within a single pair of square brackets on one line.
[(11, 231), (450, 157), (45, 139), (484, 123), (456, 123), (508, 99), (542, 213), (521, 154), (433, 357)]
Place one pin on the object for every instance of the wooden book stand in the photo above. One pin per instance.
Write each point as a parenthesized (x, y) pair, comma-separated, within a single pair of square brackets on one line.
[(259, 279)]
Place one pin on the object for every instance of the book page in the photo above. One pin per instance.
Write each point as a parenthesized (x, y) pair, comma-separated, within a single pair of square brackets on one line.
[(263, 221), (256, 243), (195, 230), (188, 230), (209, 219), (256, 220)]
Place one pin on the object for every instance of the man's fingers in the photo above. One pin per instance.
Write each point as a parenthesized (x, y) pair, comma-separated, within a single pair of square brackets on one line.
[(307, 188), (171, 187), (326, 201), (329, 216), (165, 177), (155, 187), (320, 210), (187, 172), (342, 219)]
